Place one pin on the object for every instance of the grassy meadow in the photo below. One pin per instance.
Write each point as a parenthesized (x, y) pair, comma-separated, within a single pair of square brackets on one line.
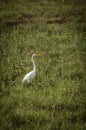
[(56, 98)]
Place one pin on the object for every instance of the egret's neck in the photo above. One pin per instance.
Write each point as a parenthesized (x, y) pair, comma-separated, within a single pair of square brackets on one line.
[(34, 66)]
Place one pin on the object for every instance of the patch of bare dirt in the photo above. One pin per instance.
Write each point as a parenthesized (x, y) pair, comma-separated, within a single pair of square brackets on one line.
[(23, 19), (15, 23), (58, 20)]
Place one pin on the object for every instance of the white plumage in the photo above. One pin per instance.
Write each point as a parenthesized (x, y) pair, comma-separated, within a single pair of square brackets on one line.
[(30, 76)]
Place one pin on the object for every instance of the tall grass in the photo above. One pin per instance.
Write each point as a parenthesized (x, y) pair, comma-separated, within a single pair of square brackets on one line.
[(56, 98)]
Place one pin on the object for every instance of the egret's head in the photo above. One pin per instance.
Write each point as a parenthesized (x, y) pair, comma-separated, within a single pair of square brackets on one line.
[(33, 55)]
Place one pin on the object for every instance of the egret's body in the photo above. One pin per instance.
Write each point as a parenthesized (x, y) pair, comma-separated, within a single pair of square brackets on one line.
[(30, 76)]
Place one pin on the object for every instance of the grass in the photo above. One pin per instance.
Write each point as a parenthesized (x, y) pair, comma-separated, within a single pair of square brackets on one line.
[(55, 100)]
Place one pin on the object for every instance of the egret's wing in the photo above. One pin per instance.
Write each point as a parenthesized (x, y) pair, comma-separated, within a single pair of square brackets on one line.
[(29, 76)]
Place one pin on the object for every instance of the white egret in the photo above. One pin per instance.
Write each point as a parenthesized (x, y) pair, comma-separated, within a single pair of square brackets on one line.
[(30, 76)]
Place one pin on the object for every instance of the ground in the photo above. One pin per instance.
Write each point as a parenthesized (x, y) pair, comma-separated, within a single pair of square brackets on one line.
[(56, 99)]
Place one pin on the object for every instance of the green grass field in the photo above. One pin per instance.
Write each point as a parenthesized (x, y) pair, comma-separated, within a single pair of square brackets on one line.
[(56, 98)]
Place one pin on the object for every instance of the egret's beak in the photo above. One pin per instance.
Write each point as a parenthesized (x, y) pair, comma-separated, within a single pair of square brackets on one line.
[(38, 54)]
